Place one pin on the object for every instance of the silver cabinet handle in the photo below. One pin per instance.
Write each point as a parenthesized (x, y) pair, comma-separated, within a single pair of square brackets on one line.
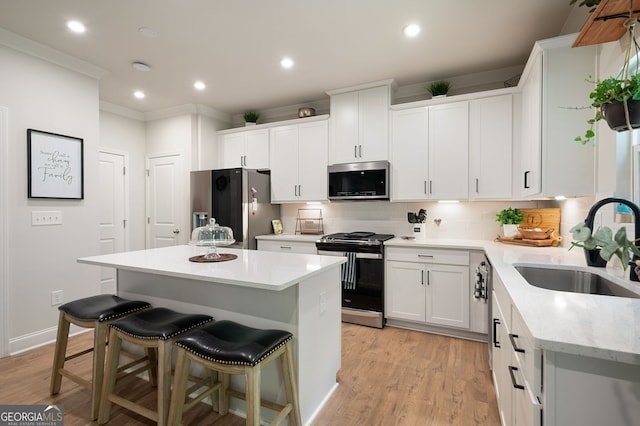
[(428, 278), (299, 190), (476, 185), (360, 151), (422, 277), (428, 256), (285, 247), (425, 186), (430, 187), (355, 151)]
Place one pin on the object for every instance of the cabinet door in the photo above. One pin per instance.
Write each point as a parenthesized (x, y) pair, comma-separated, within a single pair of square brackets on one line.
[(344, 127), (313, 142), (257, 149), (448, 295), (284, 163), (405, 291), (449, 151), (409, 154), (373, 118), (530, 154), (231, 150), (501, 356), (490, 147)]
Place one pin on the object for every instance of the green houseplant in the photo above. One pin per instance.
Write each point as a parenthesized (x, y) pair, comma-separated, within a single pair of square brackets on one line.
[(616, 99), (606, 242), (510, 219), (251, 117), (439, 88)]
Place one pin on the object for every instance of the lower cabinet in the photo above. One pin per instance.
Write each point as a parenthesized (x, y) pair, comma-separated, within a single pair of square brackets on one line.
[(428, 286), (288, 246)]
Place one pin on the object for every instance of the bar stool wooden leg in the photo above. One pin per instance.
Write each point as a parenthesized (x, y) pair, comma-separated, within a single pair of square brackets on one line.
[(113, 355), (183, 363), (290, 384), (224, 395), (164, 379), (60, 352), (252, 394), (99, 345)]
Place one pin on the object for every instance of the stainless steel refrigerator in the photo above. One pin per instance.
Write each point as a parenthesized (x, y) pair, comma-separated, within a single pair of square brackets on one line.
[(238, 198)]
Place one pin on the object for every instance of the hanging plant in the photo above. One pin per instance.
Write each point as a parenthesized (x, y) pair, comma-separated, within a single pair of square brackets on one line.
[(616, 99)]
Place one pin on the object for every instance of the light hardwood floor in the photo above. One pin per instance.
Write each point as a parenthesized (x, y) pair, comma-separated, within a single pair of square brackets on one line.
[(388, 377)]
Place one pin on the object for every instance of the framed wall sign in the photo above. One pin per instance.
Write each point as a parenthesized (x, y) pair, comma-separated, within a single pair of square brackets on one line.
[(55, 165)]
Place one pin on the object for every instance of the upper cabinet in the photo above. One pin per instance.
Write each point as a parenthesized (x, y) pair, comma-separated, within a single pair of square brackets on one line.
[(299, 162), (552, 87), (429, 152), (360, 123), (490, 148), (244, 148)]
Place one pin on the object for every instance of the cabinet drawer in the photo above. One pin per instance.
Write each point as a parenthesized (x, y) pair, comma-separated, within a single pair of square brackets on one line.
[(288, 246), (522, 345), (526, 407), (441, 256), (503, 299)]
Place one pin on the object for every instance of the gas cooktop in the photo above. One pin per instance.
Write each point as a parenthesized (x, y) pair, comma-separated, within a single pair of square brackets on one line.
[(356, 237)]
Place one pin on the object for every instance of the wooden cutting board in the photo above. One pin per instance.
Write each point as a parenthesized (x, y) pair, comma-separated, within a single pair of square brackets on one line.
[(542, 218)]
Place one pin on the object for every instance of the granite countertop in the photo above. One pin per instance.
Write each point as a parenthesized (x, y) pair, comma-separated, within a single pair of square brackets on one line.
[(255, 269)]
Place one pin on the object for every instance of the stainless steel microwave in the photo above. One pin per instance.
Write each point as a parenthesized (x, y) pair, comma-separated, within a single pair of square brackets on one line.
[(359, 181)]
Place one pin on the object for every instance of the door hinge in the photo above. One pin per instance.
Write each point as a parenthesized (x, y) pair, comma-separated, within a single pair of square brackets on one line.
[(124, 170), (148, 220), (124, 223), (147, 172)]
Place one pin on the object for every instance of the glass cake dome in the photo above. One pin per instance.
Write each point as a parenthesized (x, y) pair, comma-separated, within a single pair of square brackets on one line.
[(212, 235)]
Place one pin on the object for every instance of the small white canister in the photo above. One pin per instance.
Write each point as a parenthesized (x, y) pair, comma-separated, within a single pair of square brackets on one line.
[(419, 230)]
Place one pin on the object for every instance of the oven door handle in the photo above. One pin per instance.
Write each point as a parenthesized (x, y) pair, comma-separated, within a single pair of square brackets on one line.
[(358, 255)]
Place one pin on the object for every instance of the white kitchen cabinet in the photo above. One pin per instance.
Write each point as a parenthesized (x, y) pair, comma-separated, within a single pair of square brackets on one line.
[(449, 151), (360, 124), (552, 87), (298, 157), (490, 148), (306, 247), (247, 148), (428, 285), (429, 153)]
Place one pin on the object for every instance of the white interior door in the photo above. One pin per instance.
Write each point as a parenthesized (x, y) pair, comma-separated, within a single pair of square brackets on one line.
[(167, 199), (113, 213)]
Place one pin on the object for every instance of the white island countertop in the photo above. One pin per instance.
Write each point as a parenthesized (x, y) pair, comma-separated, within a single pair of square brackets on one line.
[(255, 269), (604, 327)]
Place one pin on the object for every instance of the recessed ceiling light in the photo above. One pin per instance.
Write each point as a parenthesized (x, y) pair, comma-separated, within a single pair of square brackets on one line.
[(286, 63), (411, 30), (199, 85), (139, 94), (141, 66), (76, 26)]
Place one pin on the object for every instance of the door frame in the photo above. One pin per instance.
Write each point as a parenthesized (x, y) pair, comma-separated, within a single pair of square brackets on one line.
[(127, 213), (4, 240)]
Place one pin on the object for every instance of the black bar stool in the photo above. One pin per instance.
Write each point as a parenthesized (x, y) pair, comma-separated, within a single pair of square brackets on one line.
[(228, 348), (95, 312), (154, 329)]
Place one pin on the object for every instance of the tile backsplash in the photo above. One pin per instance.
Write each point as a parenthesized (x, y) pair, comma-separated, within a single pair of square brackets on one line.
[(464, 220)]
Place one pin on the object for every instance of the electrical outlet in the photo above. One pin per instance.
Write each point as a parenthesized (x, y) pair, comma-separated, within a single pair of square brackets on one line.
[(323, 302), (56, 298), (44, 218)]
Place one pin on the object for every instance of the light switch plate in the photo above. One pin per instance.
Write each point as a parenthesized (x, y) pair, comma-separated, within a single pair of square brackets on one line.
[(43, 218)]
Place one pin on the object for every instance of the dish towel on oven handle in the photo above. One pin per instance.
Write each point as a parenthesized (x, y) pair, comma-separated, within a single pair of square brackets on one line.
[(349, 272)]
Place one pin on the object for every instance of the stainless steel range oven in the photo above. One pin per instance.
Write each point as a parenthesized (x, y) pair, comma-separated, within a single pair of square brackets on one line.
[(362, 275)]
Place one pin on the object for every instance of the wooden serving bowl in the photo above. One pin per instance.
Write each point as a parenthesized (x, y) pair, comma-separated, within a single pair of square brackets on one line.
[(535, 234)]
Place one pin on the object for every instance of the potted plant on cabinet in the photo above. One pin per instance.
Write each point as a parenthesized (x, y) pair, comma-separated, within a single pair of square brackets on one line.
[(616, 99), (439, 88), (251, 118), (510, 219)]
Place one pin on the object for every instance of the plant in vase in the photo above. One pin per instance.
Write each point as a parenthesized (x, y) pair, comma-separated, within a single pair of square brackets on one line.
[(605, 242), (616, 99), (251, 117), (439, 88), (510, 219)]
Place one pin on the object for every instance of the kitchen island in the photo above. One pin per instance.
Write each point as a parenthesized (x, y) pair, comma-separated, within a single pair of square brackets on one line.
[(299, 293)]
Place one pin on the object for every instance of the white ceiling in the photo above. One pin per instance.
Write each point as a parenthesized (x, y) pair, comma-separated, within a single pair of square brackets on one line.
[(235, 46)]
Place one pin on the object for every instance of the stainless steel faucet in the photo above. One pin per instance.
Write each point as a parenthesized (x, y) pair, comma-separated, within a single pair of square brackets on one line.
[(633, 276)]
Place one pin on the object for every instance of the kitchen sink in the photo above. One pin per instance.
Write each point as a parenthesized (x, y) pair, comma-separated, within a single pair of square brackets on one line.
[(572, 280)]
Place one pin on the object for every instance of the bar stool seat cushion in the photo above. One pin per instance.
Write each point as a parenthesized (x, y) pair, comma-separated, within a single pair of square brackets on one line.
[(159, 323), (227, 342), (103, 307)]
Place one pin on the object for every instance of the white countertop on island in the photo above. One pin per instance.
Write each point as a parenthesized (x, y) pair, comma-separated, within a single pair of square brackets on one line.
[(252, 268), (605, 327)]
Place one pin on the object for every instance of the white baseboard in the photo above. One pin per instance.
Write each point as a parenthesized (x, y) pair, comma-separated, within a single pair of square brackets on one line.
[(30, 341)]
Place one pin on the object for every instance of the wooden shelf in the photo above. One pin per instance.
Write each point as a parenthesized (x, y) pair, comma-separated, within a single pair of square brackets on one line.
[(606, 23)]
